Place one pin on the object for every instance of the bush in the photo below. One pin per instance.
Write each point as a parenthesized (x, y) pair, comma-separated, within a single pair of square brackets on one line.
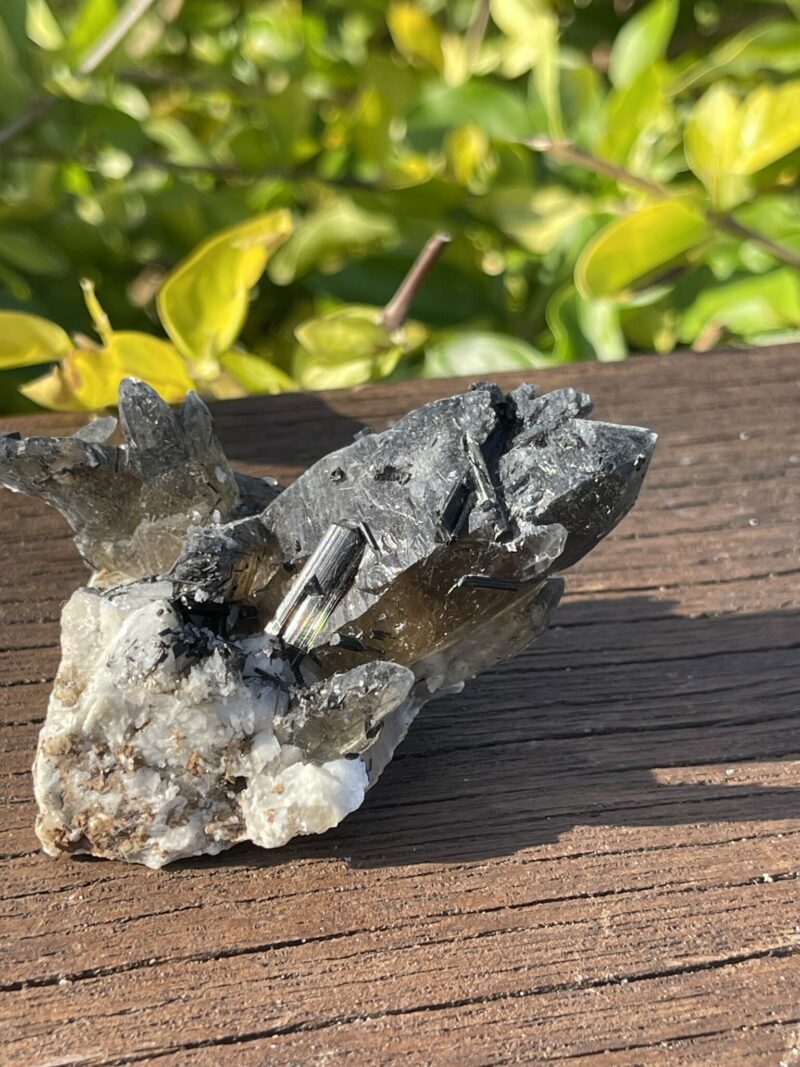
[(245, 184)]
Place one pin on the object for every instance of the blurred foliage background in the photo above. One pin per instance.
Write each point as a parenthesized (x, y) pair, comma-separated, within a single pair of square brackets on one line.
[(224, 195)]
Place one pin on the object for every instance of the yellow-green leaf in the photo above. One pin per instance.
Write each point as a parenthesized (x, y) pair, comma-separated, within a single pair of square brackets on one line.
[(26, 340), (94, 18), (88, 379), (530, 28), (537, 219), (467, 148), (415, 34), (633, 247), (203, 302), (727, 140), (479, 352), (256, 374), (635, 119), (344, 349), (642, 40), (333, 231), (748, 306), (52, 391), (155, 361)]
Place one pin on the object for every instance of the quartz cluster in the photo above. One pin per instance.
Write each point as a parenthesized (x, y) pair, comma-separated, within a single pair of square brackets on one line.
[(245, 659)]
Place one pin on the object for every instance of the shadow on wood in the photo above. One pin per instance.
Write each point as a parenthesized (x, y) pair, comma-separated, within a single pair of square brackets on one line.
[(648, 720)]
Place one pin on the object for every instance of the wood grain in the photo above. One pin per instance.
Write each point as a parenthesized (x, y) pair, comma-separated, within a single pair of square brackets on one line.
[(591, 854)]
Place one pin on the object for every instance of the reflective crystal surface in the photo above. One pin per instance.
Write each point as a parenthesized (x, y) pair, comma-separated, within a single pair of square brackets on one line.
[(246, 660)]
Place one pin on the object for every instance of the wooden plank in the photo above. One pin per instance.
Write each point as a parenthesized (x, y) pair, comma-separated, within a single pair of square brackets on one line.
[(591, 854)]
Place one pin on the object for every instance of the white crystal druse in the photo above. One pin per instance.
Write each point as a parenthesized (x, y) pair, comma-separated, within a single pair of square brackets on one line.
[(150, 760)]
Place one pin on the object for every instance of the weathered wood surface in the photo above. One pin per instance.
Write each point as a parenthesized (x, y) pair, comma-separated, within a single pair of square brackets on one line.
[(590, 854)]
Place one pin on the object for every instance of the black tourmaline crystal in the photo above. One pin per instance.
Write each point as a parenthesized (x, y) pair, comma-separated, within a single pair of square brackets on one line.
[(247, 659)]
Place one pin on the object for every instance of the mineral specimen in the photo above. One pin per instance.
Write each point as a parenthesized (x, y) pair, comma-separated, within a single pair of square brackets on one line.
[(245, 660)]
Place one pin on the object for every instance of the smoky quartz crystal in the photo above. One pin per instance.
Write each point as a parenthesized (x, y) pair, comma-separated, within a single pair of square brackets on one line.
[(245, 659)]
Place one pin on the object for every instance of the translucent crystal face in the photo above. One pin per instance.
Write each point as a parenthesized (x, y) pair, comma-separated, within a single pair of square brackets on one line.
[(248, 658)]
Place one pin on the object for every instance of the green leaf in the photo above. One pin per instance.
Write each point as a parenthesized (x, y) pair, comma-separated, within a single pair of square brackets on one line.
[(14, 61), (747, 307), (26, 340), (256, 374), (763, 46), (42, 26), (502, 113), (203, 302), (27, 252), (181, 145), (531, 30), (344, 349), (728, 140), (584, 329), (415, 34), (633, 247), (467, 148), (537, 219), (635, 116), (545, 72), (327, 235), (13, 19), (479, 352), (94, 18), (650, 321), (641, 41)]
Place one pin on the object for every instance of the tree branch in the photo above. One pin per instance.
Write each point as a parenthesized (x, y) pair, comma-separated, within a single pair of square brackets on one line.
[(566, 152), (396, 311), (99, 51)]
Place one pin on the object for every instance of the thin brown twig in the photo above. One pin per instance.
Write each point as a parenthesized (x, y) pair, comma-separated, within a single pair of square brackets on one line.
[(566, 152), (396, 311), (476, 30), (97, 53), (210, 168)]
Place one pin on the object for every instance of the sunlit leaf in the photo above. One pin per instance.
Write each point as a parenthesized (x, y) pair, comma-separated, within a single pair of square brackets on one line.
[(467, 148), (328, 234), (651, 320), (631, 248), (26, 340), (88, 379), (203, 302), (151, 359), (479, 352), (344, 349), (415, 34), (634, 117), (43, 27), (256, 374), (728, 139), (537, 219), (180, 144), (642, 40), (584, 329), (94, 18), (502, 113), (545, 72), (773, 45), (747, 306)]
